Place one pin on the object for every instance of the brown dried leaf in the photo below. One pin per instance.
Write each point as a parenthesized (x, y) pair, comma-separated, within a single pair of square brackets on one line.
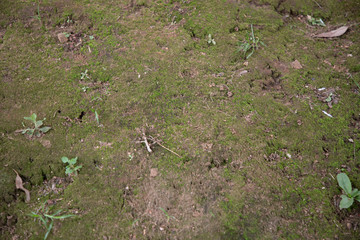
[(335, 33), (19, 185), (296, 64), (154, 172)]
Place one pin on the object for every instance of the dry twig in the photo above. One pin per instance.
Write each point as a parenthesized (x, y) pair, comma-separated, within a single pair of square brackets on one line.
[(157, 142)]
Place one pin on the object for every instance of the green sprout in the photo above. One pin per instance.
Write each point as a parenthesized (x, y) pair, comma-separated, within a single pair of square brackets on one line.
[(47, 219), (166, 214), (316, 21), (37, 130), (70, 168), (97, 117), (84, 75), (38, 17), (350, 194), (69, 20), (211, 40), (251, 44)]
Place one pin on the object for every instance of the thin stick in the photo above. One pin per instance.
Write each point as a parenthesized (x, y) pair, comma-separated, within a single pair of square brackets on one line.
[(167, 148), (317, 4), (147, 144)]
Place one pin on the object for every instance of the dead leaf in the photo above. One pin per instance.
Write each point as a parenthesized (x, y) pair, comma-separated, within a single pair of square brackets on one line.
[(154, 172), (62, 38), (296, 64), (335, 33), (248, 118), (45, 143), (242, 73), (19, 185), (207, 146), (104, 144), (327, 62)]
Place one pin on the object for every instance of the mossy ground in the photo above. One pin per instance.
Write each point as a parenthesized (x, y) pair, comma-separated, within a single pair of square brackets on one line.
[(258, 156)]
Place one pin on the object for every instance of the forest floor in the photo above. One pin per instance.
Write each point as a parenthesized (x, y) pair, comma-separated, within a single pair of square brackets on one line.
[(178, 132)]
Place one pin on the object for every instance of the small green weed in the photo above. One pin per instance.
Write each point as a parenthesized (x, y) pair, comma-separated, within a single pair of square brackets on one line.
[(37, 130), (38, 17), (166, 214), (211, 40), (315, 21), (47, 219), (84, 75), (351, 194), (251, 44), (97, 117), (69, 20), (70, 168)]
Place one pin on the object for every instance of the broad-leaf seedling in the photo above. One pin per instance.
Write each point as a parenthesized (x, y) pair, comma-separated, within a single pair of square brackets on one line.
[(347, 199), (211, 40), (70, 168), (37, 130)]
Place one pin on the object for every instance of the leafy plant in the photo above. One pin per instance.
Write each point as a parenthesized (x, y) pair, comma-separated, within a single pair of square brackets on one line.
[(251, 44), (85, 88), (351, 194), (84, 75), (47, 219), (211, 40), (70, 168), (315, 21), (69, 20), (37, 130)]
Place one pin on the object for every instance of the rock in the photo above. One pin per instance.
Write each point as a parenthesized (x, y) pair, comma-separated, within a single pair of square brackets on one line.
[(296, 64), (154, 172), (62, 38)]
